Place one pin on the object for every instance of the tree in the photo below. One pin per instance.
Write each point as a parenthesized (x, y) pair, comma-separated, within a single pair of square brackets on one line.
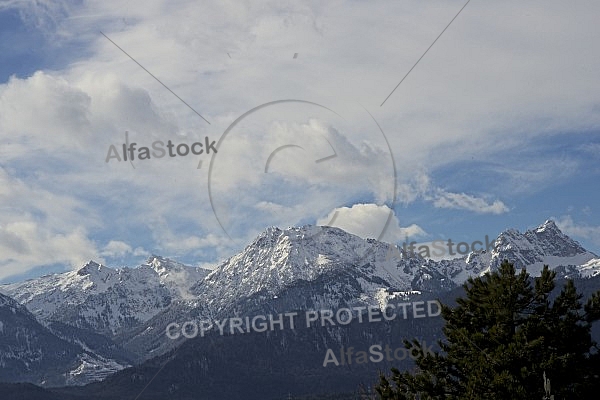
[(501, 339)]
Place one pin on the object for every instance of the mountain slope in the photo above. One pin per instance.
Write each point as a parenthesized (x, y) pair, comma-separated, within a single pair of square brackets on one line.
[(30, 352), (296, 269), (312, 268), (103, 299), (543, 245)]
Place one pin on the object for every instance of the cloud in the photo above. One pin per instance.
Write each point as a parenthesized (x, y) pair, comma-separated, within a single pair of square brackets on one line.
[(569, 227), (371, 221), (421, 187), (171, 242), (119, 249), (56, 116), (462, 201), (26, 245), (139, 251), (42, 15), (287, 172), (38, 227), (43, 112), (495, 82)]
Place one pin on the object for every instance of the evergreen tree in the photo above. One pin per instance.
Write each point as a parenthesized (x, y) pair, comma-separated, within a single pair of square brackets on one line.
[(501, 339)]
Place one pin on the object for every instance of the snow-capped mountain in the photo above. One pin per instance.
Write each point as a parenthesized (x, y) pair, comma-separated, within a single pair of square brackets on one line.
[(103, 299), (312, 268), (544, 245), (282, 270), (278, 259), (298, 268)]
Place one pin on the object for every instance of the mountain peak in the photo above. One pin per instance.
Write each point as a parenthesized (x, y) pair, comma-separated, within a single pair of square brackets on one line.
[(163, 265), (549, 225), (91, 268), (546, 244), (155, 259), (176, 276)]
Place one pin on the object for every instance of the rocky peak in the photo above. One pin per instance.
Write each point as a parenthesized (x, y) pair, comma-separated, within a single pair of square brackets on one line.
[(93, 269)]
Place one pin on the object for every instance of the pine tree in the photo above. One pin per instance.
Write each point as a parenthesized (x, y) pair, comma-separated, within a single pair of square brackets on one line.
[(501, 339)]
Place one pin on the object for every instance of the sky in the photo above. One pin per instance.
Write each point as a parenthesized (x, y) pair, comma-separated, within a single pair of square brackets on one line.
[(346, 113)]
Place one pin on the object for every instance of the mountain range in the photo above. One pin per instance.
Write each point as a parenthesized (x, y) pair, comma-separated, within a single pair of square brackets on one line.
[(81, 326)]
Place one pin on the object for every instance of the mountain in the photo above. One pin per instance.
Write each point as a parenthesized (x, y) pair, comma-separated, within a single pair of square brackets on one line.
[(276, 364), (267, 365), (30, 352), (22, 391), (313, 268), (278, 259), (92, 306), (294, 270), (305, 268), (545, 245), (342, 270), (106, 300)]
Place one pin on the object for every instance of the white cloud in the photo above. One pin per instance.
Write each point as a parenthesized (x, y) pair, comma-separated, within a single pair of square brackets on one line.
[(116, 248), (43, 112), (172, 243), (462, 201), (44, 15), (569, 227), (139, 252), (421, 187), (38, 227), (371, 221), (290, 172), (496, 81), (27, 245)]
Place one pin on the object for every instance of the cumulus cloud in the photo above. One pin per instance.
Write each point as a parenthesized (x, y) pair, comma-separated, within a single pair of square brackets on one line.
[(119, 249), (371, 221)]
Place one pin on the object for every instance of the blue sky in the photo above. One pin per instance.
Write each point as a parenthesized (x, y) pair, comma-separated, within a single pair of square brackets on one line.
[(497, 127)]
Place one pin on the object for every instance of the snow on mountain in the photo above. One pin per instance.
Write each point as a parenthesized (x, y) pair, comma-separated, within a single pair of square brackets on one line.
[(299, 268), (543, 245), (282, 270), (46, 294), (105, 299), (590, 268), (116, 300), (91, 368), (277, 259), (319, 267), (177, 277)]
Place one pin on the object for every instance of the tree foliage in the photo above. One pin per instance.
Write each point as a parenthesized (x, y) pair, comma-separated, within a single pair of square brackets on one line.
[(501, 338)]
